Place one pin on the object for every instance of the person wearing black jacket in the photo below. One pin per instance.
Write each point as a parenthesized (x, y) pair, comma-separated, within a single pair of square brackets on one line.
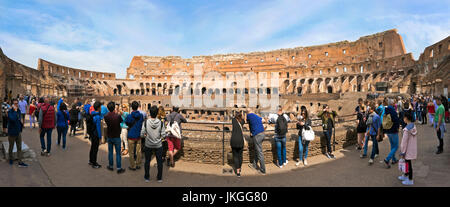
[(303, 123), (280, 138), (73, 113), (237, 142)]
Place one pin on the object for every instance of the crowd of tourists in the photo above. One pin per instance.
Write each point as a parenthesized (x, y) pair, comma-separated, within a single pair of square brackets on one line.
[(384, 119), (133, 131)]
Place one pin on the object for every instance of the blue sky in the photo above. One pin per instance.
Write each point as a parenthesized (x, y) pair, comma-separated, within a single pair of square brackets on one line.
[(104, 35)]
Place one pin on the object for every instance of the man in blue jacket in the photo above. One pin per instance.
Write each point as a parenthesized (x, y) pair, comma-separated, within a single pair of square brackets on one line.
[(373, 126), (95, 139), (14, 133), (392, 133), (257, 132), (86, 108), (134, 122)]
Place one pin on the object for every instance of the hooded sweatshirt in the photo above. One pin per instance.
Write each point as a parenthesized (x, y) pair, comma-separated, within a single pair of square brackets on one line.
[(134, 130), (409, 142), (154, 131)]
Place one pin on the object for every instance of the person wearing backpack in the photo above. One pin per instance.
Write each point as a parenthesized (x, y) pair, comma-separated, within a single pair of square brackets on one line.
[(391, 124), (174, 143), (47, 122), (134, 122), (373, 125), (73, 119), (408, 149), (281, 125), (154, 132), (113, 130), (95, 134), (304, 123), (328, 123), (62, 117)]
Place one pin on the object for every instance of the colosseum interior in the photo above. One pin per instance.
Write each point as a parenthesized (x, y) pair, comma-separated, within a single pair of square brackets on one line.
[(334, 74)]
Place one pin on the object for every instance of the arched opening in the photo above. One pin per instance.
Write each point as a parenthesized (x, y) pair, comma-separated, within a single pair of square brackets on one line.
[(115, 91), (153, 91), (268, 90), (299, 90), (203, 90), (137, 91), (330, 89), (132, 92), (142, 92), (246, 90)]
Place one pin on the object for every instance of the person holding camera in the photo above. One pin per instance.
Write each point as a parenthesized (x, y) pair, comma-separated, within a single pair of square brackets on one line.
[(328, 123)]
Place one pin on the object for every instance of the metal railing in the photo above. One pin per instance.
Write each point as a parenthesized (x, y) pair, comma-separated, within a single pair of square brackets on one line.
[(341, 119)]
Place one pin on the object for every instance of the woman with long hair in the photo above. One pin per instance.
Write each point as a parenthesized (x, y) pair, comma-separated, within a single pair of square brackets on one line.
[(304, 123), (237, 142)]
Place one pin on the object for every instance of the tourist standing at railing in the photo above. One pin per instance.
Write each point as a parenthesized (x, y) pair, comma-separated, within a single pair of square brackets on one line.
[(328, 124), (237, 142), (84, 113), (62, 117), (361, 121), (304, 123), (408, 149), (23, 108), (391, 131), (174, 143), (153, 131), (47, 122), (134, 122), (123, 135), (373, 125), (5, 109), (439, 123), (73, 119), (281, 129), (257, 131), (113, 121), (15, 127)]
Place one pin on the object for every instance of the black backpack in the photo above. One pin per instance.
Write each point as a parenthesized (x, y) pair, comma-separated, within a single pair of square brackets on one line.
[(90, 125), (281, 128)]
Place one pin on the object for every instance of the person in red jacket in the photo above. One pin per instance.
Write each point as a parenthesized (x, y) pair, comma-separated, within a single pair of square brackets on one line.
[(31, 113), (47, 122)]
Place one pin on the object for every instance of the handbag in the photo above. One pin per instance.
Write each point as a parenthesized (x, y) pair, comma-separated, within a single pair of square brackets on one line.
[(402, 166), (308, 135)]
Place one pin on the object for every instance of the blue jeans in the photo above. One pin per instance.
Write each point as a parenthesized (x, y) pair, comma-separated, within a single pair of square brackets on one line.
[(374, 146), (49, 139), (281, 149), (62, 131), (328, 133), (300, 148), (116, 143), (393, 139)]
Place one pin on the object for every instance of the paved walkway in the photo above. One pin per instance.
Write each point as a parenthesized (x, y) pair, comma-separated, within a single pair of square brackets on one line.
[(70, 168)]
